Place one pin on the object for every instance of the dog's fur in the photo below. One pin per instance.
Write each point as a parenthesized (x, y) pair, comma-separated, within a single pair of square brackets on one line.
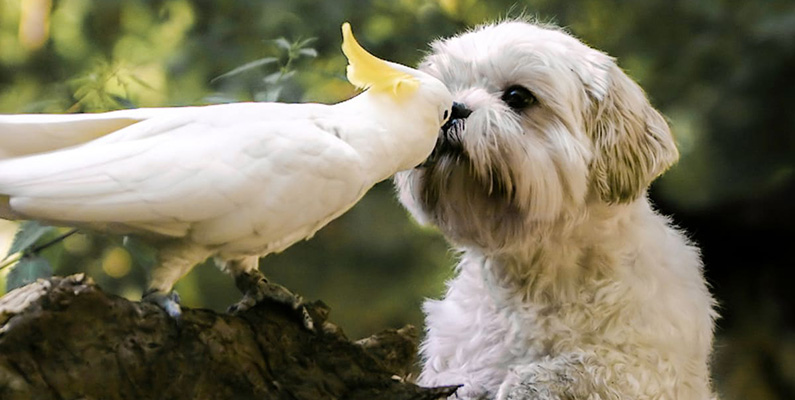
[(570, 286)]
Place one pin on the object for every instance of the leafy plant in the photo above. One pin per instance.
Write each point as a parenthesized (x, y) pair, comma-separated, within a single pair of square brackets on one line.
[(105, 87), (28, 265), (27, 270), (272, 84)]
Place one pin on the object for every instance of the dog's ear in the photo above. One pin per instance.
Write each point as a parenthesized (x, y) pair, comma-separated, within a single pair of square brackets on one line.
[(632, 141)]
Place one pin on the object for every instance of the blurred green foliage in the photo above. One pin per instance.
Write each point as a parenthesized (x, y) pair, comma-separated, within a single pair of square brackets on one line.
[(721, 70)]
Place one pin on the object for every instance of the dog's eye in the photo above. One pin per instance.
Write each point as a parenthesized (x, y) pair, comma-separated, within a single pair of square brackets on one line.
[(518, 97)]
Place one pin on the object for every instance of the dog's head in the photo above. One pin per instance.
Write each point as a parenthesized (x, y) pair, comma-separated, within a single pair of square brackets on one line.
[(555, 126)]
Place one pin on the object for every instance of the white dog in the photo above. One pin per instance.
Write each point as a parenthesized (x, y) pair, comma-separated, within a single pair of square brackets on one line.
[(570, 286)]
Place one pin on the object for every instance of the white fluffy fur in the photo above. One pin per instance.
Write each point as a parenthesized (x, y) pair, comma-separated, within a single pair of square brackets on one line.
[(570, 286)]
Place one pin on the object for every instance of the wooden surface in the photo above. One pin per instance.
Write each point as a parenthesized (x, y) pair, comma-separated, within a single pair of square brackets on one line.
[(64, 338)]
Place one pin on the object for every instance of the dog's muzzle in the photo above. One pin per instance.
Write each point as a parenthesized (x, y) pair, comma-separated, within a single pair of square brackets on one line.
[(449, 140)]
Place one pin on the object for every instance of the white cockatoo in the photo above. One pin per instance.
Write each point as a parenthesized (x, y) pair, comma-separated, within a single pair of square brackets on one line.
[(233, 181)]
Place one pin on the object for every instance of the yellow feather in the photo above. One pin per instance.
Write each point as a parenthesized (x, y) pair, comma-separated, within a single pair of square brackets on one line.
[(368, 71)]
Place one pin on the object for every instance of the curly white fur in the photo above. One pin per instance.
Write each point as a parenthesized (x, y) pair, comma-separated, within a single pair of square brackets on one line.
[(570, 286)]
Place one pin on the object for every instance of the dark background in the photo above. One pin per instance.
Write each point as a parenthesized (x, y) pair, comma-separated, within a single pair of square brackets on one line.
[(721, 70)]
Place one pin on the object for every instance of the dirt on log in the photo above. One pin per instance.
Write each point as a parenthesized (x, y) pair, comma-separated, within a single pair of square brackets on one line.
[(64, 338)]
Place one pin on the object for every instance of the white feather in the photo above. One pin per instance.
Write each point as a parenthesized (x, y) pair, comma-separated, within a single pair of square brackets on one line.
[(232, 180)]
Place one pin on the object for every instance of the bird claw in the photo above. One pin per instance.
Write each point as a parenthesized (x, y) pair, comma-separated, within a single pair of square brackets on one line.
[(256, 288), (168, 302)]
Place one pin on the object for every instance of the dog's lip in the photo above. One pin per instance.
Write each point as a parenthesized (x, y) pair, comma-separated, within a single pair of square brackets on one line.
[(448, 142), (448, 124)]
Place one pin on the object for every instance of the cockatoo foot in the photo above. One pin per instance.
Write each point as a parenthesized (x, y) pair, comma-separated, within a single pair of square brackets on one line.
[(169, 302), (256, 288)]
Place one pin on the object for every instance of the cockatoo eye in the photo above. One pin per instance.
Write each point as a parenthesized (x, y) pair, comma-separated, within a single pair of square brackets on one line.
[(445, 115)]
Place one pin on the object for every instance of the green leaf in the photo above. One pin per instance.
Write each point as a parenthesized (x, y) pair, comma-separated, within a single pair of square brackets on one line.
[(272, 78), (276, 77), (283, 43), (245, 67), (303, 43), (123, 101), (270, 95), (27, 235), (27, 270), (220, 98), (309, 52)]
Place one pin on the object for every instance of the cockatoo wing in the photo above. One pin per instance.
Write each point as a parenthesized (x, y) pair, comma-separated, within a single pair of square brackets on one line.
[(37, 133), (218, 177)]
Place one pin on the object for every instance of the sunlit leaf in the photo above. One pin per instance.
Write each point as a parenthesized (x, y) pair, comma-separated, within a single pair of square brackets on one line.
[(141, 82), (246, 67), (27, 235), (26, 271), (117, 262)]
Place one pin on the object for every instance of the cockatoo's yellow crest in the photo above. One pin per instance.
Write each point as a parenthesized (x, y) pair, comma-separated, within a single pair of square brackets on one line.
[(368, 71)]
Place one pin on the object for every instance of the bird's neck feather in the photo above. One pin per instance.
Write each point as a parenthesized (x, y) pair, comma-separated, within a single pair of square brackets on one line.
[(388, 135)]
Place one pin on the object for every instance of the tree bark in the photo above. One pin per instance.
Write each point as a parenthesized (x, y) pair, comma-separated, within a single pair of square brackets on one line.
[(64, 338)]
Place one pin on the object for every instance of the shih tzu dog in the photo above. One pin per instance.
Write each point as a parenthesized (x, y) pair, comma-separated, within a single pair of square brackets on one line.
[(570, 285)]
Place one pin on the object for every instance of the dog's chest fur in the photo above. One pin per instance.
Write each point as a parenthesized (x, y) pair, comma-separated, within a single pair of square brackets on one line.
[(633, 288)]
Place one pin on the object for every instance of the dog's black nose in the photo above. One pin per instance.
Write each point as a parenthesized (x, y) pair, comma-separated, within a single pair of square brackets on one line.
[(449, 140), (460, 110)]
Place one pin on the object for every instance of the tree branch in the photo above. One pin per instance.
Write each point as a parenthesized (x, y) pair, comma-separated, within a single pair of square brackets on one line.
[(64, 338)]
